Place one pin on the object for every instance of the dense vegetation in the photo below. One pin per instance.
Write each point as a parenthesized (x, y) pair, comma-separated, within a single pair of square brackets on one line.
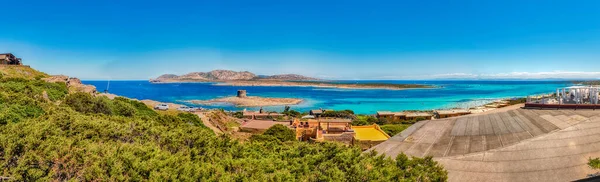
[(21, 72), (339, 114), (82, 137), (393, 129), (291, 113), (361, 120)]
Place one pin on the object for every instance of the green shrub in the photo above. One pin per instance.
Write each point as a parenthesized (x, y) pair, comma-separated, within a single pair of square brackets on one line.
[(362, 120), (191, 118), (86, 103), (238, 114), (281, 133), (123, 108), (594, 163), (339, 114), (56, 91), (80, 102), (102, 105), (393, 129), (17, 107), (264, 138), (358, 122)]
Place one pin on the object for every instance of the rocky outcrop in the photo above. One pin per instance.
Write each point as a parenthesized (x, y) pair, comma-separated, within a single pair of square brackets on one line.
[(230, 75), (73, 83), (56, 78), (225, 75), (167, 76), (215, 75), (291, 77)]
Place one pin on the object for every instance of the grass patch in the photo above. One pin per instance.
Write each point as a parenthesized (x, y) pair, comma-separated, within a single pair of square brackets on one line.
[(393, 129)]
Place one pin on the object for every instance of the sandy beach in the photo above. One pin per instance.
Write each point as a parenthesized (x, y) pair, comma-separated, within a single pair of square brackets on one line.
[(249, 101)]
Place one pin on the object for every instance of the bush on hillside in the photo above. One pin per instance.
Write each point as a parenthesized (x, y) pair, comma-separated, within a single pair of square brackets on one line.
[(59, 143), (281, 133), (191, 118), (141, 108), (80, 102), (123, 108), (393, 129), (102, 105), (339, 114), (362, 120)]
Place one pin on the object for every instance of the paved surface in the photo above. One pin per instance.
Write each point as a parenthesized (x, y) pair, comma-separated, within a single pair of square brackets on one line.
[(511, 145)]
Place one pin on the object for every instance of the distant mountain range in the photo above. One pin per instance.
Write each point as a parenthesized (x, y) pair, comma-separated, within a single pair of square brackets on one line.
[(228, 75)]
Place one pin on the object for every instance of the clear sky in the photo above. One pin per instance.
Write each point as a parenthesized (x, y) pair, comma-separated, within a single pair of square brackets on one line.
[(398, 39)]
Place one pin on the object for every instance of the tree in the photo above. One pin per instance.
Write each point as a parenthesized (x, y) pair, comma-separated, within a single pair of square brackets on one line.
[(238, 114), (282, 133), (359, 122), (291, 113), (339, 114)]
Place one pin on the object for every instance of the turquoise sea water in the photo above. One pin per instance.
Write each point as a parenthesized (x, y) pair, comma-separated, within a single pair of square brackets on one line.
[(447, 94)]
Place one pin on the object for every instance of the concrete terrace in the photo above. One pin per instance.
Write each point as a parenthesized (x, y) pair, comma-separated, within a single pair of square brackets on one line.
[(511, 144)]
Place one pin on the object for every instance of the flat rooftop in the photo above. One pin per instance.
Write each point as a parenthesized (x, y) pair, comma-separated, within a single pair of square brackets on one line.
[(506, 145), (369, 133)]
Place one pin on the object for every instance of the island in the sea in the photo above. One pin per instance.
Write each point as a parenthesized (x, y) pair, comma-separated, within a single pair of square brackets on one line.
[(241, 100), (245, 78)]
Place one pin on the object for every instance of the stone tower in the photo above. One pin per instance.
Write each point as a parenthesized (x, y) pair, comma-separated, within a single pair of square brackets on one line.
[(241, 93)]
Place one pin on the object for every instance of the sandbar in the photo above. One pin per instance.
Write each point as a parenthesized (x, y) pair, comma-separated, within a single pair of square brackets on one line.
[(250, 101)]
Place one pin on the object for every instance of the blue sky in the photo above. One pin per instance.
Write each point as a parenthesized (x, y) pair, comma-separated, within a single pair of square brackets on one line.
[(333, 40)]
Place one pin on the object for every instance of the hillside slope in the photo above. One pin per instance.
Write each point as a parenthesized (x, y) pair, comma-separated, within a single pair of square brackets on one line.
[(75, 136), (26, 72)]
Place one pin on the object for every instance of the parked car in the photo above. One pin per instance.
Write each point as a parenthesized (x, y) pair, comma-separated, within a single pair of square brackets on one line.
[(163, 107), (187, 109)]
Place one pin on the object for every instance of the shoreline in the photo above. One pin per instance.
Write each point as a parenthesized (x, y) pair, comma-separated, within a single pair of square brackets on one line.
[(271, 83), (316, 86), (292, 101), (250, 101)]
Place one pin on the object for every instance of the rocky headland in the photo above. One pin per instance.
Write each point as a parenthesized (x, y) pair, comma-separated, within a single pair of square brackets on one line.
[(245, 78)]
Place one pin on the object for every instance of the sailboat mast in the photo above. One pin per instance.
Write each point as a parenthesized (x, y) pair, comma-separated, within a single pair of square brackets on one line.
[(107, 86)]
